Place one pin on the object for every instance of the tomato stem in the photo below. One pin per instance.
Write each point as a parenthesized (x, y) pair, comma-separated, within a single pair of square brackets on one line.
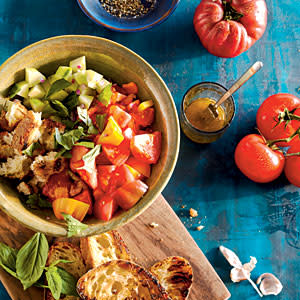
[(292, 154), (286, 116), (271, 143), (230, 13)]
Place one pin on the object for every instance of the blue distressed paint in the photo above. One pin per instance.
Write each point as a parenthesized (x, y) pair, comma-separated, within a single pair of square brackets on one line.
[(251, 219)]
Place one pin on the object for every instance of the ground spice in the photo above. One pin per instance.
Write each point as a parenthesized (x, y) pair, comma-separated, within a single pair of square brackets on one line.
[(128, 8)]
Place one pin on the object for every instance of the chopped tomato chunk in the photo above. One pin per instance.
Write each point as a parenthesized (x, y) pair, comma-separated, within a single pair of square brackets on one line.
[(145, 117), (140, 166), (146, 147), (85, 197), (104, 177), (130, 88), (105, 206), (75, 208), (120, 116), (57, 186), (129, 194)]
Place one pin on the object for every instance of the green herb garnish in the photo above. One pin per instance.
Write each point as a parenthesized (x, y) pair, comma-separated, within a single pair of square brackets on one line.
[(62, 111), (74, 226), (68, 139), (30, 149), (57, 86), (100, 119), (84, 117), (86, 144), (105, 95)]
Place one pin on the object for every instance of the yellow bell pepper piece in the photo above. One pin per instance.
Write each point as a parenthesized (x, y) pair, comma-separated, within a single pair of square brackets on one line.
[(144, 105), (112, 134)]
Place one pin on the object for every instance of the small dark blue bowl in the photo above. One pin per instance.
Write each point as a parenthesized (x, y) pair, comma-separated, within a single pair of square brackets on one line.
[(94, 10)]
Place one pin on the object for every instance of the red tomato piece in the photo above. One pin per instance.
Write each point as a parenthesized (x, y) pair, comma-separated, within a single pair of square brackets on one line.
[(120, 116), (146, 147), (144, 118), (116, 97), (257, 161), (128, 99), (123, 175), (267, 118), (104, 207), (117, 155), (133, 106), (129, 194), (102, 159), (57, 186), (130, 88), (85, 197), (140, 166), (228, 28), (292, 166), (104, 177), (133, 126), (76, 163)]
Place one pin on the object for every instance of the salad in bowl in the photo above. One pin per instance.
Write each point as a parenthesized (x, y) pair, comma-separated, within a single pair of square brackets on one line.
[(77, 143)]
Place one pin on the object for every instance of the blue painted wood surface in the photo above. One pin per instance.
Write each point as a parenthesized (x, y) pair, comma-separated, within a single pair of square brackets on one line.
[(252, 219)]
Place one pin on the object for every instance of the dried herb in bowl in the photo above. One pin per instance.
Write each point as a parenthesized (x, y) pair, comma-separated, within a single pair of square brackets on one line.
[(128, 8)]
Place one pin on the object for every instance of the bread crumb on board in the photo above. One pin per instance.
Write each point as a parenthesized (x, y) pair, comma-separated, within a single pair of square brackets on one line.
[(198, 228), (153, 225), (193, 213)]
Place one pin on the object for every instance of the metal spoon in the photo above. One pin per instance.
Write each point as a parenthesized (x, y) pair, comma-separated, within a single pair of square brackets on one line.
[(212, 108)]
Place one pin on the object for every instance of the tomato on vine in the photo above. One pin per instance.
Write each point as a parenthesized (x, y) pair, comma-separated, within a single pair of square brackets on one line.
[(278, 117)]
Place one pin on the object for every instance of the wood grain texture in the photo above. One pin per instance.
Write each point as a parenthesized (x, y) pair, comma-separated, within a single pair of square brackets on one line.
[(147, 245)]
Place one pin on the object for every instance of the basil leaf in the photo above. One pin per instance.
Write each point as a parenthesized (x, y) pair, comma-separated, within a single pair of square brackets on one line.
[(15, 89), (62, 111), (8, 258), (68, 282), (89, 159), (105, 95), (68, 139), (74, 226), (86, 144), (69, 124), (84, 117), (54, 282), (58, 261), (31, 260), (57, 86), (100, 119), (67, 154), (29, 150), (71, 101)]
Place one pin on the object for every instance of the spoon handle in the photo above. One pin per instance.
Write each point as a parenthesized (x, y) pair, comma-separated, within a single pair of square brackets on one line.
[(245, 77)]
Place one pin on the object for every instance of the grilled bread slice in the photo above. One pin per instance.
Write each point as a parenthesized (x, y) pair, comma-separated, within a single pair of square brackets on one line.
[(120, 279), (66, 251), (175, 274), (99, 249)]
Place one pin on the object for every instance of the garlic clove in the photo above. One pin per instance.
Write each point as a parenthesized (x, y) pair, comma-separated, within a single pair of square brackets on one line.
[(237, 275), (269, 284), (231, 257), (250, 265)]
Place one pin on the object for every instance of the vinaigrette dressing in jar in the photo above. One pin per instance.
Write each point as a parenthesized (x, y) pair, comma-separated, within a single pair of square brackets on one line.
[(194, 109)]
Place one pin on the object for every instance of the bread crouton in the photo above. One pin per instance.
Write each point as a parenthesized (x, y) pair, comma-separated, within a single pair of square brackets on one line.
[(6, 150), (16, 167), (47, 130), (101, 248), (66, 251), (27, 131), (175, 274), (24, 188), (15, 113), (45, 166), (120, 279)]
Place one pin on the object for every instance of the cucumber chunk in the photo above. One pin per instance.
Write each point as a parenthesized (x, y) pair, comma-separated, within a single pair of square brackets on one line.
[(78, 64), (36, 92), (81, 77), (60, 95), (64, 72), (46, 85), (92, 78), (33, 76), (20, 88), (101, 84), (85, 100), (37, 105)]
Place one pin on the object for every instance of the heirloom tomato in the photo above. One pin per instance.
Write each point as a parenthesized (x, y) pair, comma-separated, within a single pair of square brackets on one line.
[(274, 118), (228, 28), (257, 160)]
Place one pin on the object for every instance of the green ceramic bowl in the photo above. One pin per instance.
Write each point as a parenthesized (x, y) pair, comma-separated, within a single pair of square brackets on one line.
[(121, 65)]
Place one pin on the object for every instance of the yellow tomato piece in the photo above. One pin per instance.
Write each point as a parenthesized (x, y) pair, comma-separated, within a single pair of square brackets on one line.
[(75, 208), (112, 133), (144, 105)]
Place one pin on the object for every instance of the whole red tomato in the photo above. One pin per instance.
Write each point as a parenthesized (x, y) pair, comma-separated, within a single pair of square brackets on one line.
[(256, 160), (277, 108), (292, 166), (228, 28)]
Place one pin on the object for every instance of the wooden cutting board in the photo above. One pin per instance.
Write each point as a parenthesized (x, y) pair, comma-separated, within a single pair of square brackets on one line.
[(146, 244)]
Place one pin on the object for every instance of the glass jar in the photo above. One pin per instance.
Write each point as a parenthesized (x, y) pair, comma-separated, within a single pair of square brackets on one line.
[(212, 91)]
